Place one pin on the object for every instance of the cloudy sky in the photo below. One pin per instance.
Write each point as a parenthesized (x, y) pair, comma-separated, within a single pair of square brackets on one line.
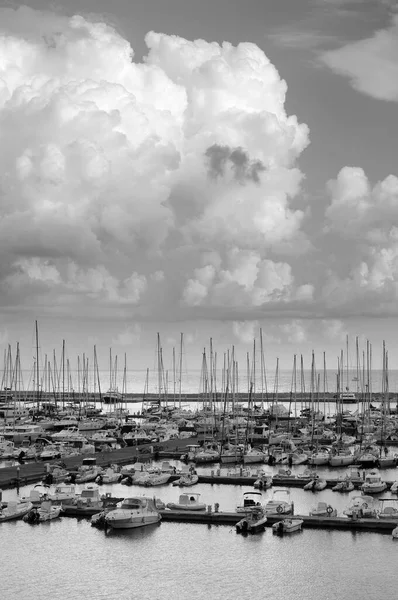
[(204, 167)]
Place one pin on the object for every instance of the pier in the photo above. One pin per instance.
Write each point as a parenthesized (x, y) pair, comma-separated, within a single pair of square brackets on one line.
[(213, 517)]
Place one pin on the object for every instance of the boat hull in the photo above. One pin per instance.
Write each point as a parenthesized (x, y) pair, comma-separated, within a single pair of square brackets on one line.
[(133, 522)]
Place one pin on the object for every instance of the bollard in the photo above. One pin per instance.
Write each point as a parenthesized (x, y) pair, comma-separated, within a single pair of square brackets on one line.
[(212, 473), (209, 509)]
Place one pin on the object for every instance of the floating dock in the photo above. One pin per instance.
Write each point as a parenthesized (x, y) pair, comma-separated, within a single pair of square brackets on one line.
[(211, 517)]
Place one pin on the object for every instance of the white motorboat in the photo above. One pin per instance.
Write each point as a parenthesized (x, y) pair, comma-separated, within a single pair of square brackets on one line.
[(280, 503), (373, 483), (186, 480), (287, 526), (394, 488), (63, 493), (152, 479), (86, 503), (346, 485), (110, 475), (395, 533), (253, 522), (14, 510), (251, 501), (187, 501), (389, 511), (263, 481), (131, 513), (36, 495), (362, 506), (46, 512), (323, 509), (88, 471), (316, 484)]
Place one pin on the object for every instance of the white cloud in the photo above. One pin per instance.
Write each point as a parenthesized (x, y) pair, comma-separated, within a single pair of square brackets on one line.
[(245, 331), (370, 64), (363, 219), (128, 337), (160, 186)]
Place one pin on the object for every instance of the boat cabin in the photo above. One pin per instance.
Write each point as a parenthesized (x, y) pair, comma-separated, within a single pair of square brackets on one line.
[(188, 499), (251, 499)]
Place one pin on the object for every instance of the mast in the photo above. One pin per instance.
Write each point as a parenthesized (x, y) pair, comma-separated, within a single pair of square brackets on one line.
[(37, 367), (180, 390)]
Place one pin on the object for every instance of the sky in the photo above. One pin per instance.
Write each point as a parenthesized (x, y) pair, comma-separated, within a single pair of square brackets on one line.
[(204, 168)]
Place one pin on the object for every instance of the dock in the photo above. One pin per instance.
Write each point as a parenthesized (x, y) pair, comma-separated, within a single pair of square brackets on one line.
[(212, 517), (33, 472)]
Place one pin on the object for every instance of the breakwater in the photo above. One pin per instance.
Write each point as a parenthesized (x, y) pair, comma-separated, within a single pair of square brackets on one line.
[(30, 396)]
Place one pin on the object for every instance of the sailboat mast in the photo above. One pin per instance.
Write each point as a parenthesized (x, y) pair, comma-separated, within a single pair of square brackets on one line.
[(37, 367)]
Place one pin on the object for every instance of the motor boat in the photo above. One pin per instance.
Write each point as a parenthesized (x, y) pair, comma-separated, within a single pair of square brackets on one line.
[(253, 522), (187, 501), (373, 483), (323, 509), (345, 485), (63, 493), (395, 533), (287, 526), (389, 512), (87, 503), (251, 501), (110, 475), (46, 512), (280, 503), (263, 481), (187, 479), (14, 510), (151, 479), (131, 513), (362, 506), (316, 484)]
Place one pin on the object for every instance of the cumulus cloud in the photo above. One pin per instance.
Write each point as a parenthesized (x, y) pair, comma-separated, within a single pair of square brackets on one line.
[(128, 337), (363, 219), (370, 64), (157, 187)]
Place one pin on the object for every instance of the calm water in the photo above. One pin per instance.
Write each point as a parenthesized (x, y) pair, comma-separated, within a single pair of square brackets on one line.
[(69, 559)]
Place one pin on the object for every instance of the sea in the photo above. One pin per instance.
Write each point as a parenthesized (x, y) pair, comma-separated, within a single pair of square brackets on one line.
[(67, 559), (196, 381)]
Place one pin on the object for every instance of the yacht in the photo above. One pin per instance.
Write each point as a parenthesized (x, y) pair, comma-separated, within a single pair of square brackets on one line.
[(138, 511)]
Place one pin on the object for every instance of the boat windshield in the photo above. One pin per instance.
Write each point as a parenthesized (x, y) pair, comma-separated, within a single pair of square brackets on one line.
[(133, 503)]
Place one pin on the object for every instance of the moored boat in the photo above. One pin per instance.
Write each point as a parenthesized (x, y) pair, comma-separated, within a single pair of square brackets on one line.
[(131, 513), (253, 522), (14, 510), (323, 509), (373, 483), (287, 526), (188, 501)]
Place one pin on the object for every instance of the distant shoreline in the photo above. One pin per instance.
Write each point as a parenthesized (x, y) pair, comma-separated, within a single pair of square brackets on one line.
[(137, 398)]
